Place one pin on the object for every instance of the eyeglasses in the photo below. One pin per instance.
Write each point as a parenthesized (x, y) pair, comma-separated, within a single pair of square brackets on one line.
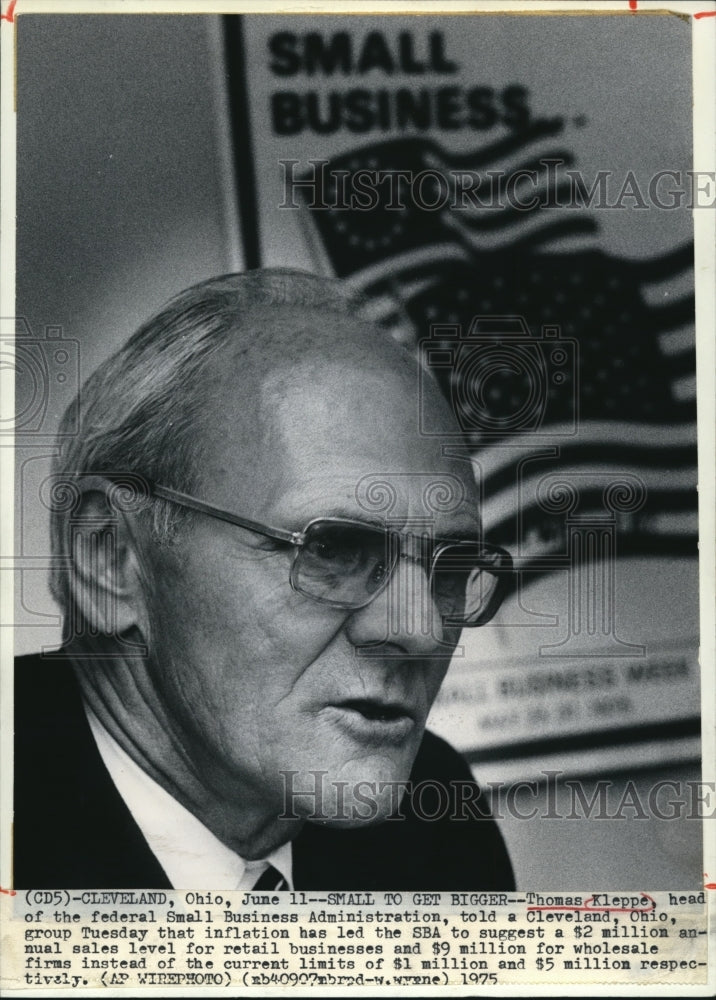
[(346, 563)]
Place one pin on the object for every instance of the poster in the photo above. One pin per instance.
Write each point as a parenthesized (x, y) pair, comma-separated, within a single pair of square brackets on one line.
[(491, 217)]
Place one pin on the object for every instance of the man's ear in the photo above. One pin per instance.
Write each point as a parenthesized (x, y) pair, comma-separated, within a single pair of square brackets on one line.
[(106, 573)]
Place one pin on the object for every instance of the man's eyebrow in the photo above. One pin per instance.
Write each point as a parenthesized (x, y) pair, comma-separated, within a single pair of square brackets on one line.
[(418, 527), (401, 525), (344, 514), (460, 535)]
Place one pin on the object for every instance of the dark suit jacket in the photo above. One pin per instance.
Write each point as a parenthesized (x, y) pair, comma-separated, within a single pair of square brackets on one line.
[(73, 830)]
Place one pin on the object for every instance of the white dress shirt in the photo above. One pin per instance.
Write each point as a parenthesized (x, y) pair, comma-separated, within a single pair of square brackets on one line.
[(189, 853)]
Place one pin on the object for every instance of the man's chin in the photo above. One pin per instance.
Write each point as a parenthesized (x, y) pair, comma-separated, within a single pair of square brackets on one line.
[(367, 803), (353, 796)]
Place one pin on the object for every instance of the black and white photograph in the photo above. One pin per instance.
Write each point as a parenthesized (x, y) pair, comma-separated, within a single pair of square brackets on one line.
[(362, 447)]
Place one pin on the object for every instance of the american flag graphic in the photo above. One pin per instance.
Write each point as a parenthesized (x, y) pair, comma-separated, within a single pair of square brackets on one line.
[(403, 236), (619, 399)]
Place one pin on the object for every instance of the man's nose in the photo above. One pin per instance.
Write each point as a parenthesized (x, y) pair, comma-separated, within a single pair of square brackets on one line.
[(404, 615)]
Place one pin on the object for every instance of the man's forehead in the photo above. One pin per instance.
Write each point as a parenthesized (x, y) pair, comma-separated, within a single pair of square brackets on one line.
[(281, 343), (338, 403), (294, 345), (387, 496), (355, 410)]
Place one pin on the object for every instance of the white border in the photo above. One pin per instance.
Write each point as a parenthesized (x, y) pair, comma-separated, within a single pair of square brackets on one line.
[(704, 77)]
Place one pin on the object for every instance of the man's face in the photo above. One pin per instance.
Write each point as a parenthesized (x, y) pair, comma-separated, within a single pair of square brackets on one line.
[(258, 679)]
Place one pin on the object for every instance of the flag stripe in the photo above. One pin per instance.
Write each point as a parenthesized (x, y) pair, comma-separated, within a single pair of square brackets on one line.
[(536, 565), (502, 147), (592, 433), (658, 268), (435, 261), (496, 476)]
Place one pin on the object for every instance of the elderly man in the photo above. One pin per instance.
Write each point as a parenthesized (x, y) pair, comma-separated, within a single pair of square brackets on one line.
[(252, 645)]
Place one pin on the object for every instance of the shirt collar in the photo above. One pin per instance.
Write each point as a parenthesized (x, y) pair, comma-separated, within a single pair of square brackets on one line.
[(189, 853)]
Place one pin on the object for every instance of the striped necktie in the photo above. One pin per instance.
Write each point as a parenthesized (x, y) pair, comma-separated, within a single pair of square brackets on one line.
[(271, 879)]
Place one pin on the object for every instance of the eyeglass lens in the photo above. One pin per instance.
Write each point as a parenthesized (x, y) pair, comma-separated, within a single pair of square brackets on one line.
[(343, 564), (463, 587), (346, 565)]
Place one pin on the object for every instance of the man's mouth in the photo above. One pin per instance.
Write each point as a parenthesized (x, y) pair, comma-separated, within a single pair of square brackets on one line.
[(375, 722), (378, 711)]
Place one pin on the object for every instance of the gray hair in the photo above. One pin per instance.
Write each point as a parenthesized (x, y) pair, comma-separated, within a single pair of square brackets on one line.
[(136, 413)]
